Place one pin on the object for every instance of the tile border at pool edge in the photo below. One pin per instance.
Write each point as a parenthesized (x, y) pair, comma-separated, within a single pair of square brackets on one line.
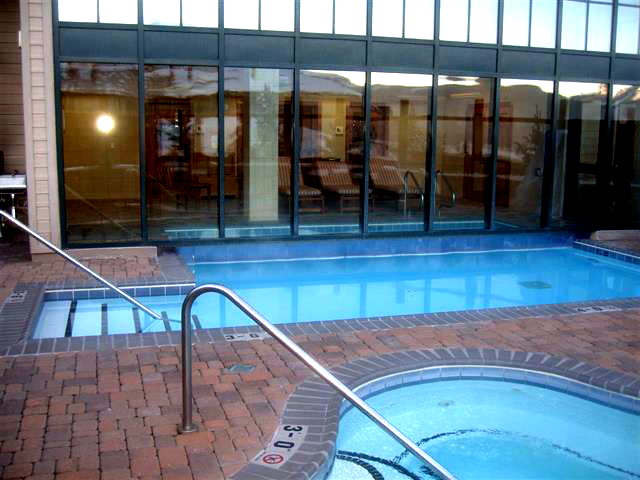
[(211, 335), (314, 458)]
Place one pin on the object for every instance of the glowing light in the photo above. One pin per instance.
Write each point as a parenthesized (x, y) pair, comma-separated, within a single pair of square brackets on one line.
[(105, 123)]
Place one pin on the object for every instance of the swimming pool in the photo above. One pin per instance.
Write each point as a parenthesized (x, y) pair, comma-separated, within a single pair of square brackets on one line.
[(489, 429), (310, 290)]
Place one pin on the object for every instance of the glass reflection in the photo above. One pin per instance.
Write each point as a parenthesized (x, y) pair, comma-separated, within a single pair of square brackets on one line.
[(331, 151), (419, 19), (258, 122), (626, 156), (516, 22), (277, 15), (543, 23), (574, 24), (161, 12), (580, 184), (400, 107), (78, 11), (525, 133), (465, 118), (628, 29), (100, 151), (196, 13), (316, 16), (453, 20), (599, 36), (181, 151), (484, 21), (351, 17), (387, 18), (241, 14), (119, 11)]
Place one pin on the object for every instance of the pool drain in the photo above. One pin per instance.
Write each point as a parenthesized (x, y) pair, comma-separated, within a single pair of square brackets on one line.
[(535, 284)]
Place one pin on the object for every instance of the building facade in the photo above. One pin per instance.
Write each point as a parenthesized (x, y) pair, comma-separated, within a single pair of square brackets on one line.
[(153, 122)]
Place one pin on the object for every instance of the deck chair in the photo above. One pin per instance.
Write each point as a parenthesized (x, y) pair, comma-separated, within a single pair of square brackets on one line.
[(310, 198), (387, 181), (336, 179)]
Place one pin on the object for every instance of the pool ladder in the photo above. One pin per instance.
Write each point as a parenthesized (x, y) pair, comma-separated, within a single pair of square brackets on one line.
[(186, 345)]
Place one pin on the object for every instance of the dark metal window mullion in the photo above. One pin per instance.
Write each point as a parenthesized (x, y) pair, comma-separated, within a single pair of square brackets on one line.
[(364, 192), (468, 21), (432, 138), (180, 12), (404, 16), (259, 14), (221, 232), (586, 28), (530, 21), (295, 167), (333, 18), (98, 11), (144, 228)]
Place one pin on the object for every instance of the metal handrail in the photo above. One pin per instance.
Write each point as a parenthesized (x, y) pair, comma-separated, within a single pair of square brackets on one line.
[(87, 270), (405, 189), (451, 190), (291, 346)]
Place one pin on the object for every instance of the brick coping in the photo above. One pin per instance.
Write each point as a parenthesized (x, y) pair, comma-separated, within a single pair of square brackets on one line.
[(317, 408)]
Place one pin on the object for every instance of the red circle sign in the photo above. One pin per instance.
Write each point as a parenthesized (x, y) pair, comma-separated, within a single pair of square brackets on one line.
[(272, 459)]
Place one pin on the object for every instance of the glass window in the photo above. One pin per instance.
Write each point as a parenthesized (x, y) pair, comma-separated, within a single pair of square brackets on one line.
[(574, 24), (351, 17), (387, 18), (543, 23), (453, 20), (277, 15), (419, 19), (161, 12), (464, 149), (580, 127), (241, 14), (599, 36), (119, 11), (331, 151), (516, 22), (100, 152), (316, 16), (628, 29), (77, 10), (484, 21), (626, 156), (258, 118), (525, 133), (400, 109), (200, 13), (181, 151)]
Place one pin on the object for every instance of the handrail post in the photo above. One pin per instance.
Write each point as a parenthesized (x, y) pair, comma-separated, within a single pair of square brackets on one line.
[(187, 364)]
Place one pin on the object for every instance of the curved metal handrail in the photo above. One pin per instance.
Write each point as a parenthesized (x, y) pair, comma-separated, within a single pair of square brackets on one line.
[(449, 187), (405, 189), (308, 360)]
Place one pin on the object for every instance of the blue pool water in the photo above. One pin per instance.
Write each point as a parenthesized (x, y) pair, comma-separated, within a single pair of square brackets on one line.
[(490, 430), (290, 291)]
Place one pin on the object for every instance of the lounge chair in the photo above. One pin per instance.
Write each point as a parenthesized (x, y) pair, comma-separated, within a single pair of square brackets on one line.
[(336, 179), (310, 198), (387, 181)]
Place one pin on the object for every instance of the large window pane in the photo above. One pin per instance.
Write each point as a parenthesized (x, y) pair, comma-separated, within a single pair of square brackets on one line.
[(581, 127), (77, 10), (418, 21), (465, 119), (484, 21), (258, 132), (351, 17), (316, 16), (525, 132), (516, 22), (599, 36), (100, 152), (626, 155), (453, 20), (200, 13), (277, 15), (181, 150), (574, 23), (241, 14), (161, 12), (387, 18), (400, 106), (119, 11), (543, 23), (331, 152), (628, 29)]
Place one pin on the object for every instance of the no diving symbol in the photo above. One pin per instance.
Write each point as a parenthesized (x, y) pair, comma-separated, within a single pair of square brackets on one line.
[(272, 459)]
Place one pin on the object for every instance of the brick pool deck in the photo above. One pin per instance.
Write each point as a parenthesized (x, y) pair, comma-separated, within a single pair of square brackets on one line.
[(114, 414)]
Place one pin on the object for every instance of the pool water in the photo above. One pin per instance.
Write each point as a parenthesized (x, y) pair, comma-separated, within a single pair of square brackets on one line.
[(290, 291), (486, 429)]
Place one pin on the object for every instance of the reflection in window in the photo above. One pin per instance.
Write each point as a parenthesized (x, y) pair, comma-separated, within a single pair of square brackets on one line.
[(586, 20), (241, 14), (529, 23), (465, 119), (388, 18), (454, 25), (581, 126), (419, 19), (196, 13), (161, 12), (627, 39), (119, 11), (351, 17), (484, 21), (181, 151), (626, 156), (78, 11), (525, 123), (331, 151), (277, 15), (318, 16), (100, 152), (453, 20), (258, 122), (400, 106)]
